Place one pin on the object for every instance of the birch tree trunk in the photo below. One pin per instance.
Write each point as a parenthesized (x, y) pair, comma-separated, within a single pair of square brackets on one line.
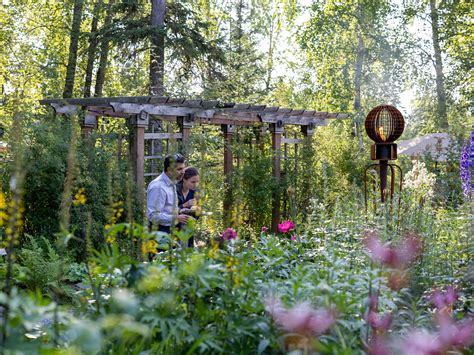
[(91, 53), (440, 89), (157, 50), (72, 60)]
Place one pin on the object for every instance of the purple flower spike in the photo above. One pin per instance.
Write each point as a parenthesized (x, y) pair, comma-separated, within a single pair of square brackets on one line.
[(466, 168)]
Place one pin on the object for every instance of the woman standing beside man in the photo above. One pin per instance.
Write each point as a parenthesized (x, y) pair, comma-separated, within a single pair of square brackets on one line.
[(187, 191)]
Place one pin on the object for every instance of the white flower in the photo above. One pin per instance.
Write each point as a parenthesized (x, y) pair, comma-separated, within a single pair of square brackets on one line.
[(419, 180)]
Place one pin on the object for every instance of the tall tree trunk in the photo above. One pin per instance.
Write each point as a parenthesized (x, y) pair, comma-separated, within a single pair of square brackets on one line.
[(72, 60), (91, 53), (357, 87), (157, 50), (440, 90), (270, 55), (104, 54)]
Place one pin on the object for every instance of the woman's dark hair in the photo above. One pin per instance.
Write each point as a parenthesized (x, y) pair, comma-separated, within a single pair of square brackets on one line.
[(172, 158), (190, 172)]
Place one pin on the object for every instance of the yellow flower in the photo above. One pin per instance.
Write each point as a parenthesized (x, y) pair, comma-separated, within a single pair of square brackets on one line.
[(110, 239), (149, 246), (212, 253), (3, 201), (80, 197), (231, 264)]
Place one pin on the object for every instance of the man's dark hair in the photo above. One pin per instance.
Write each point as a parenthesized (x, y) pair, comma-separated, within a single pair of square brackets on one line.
[(172, 159)]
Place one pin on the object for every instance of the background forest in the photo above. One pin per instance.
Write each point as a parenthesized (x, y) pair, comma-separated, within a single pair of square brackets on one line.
[(73, 265)]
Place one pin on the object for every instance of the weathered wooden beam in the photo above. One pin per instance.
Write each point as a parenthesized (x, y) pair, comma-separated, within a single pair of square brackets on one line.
[(210, 104), (60, 108), (161, 110), (160, 135), (100, 108), (94, 101), (192, 103), (158, 99), (109, 114), (292, 140)]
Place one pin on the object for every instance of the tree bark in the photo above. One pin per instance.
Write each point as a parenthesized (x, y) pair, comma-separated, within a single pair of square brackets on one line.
[(72, 60), (157, 50), (91, 53), (104, 54), (357, 86), (440, 89)]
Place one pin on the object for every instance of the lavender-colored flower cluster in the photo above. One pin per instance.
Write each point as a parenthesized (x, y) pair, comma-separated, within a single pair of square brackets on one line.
[(466, 168)]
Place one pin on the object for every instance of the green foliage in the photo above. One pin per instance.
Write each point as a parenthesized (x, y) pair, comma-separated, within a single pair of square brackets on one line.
[(212, 300)]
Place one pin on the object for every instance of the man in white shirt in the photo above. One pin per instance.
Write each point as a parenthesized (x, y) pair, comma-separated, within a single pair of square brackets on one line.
[(162, 200)]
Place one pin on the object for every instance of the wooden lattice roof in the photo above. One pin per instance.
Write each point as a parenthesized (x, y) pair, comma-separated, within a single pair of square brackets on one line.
[(199, 111)]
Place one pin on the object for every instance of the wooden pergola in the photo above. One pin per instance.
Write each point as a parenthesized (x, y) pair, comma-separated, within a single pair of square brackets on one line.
[(140, 110)]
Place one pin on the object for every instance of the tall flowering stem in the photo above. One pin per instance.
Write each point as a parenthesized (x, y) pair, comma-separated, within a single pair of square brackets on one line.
[(13, 219)]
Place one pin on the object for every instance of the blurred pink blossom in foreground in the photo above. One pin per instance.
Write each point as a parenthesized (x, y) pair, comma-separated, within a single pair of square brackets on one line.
[(451, 335), (301, 319), (455, 334), (421, 343), (293, 237), (264, 229), (444, 299), (229, 233), (286, 226), (397, 257), (379, 345), (379, 323)]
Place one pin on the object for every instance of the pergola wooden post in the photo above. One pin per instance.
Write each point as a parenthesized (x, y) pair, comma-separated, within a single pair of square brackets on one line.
[(277, 130), (88, 124), (137, 124), (228, 131), (185, 125)]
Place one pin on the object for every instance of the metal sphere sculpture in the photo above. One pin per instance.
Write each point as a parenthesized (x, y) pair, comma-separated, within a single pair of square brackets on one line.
[(384, 124)]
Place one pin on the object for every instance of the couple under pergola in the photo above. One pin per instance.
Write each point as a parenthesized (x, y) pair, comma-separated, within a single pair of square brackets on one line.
[(172, 197)]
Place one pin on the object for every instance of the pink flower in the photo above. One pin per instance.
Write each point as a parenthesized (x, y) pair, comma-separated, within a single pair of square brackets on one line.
[(301, 319), (286, 226), (374, 302), (377, 322), (446, 299), (264, 229), (293, 237), (453, 334), (229, 234), (378, 345), (395, 257), (421, 343)]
